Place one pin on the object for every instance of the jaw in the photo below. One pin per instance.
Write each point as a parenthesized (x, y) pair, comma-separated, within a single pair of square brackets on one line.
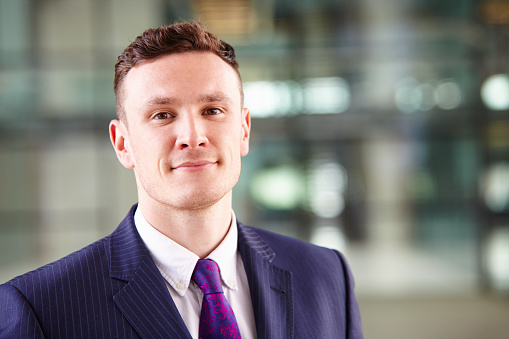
[(194, 191)]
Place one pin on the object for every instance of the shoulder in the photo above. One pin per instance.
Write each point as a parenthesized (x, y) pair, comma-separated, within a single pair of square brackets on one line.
[(16, 314), (89, 260), (88, 263), (289, 251), (315, 269), (279, 242), (65, 285)]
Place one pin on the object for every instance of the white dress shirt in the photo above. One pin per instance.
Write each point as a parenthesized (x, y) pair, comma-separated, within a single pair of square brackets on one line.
[(177, 263)]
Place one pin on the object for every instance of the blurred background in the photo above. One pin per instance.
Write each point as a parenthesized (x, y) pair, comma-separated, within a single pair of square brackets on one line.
[(380, 128)]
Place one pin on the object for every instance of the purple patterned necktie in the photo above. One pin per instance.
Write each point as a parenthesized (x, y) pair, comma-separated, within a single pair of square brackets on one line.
[(217, 319)]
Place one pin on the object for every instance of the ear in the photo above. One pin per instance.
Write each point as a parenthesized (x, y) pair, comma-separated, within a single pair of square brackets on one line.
[(246, 132), (120, 141)]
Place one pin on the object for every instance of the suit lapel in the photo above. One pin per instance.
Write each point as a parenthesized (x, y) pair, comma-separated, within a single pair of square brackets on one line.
[(145, 300), (270, 287)]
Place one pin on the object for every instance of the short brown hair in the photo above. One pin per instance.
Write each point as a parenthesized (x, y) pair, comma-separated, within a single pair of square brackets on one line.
[(177, 38)]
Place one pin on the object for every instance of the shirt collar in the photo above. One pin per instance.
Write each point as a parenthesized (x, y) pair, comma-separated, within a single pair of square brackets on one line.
[(176, 263)]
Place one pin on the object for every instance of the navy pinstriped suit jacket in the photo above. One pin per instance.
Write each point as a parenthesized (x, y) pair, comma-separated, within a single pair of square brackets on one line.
[(112, 289)]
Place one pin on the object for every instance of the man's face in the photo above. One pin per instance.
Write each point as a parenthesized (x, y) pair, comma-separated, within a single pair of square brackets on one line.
[(186, 130)]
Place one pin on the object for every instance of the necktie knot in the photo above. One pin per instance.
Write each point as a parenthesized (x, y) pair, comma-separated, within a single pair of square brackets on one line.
[(206, 276)]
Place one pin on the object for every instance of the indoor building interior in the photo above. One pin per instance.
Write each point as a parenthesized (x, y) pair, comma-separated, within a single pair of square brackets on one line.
[(379, 128)]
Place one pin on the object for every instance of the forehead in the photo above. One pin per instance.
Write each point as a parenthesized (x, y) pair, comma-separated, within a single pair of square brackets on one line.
[(186, 73)]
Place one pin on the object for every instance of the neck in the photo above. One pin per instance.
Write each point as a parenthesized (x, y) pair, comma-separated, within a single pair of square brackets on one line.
[(198, 230)]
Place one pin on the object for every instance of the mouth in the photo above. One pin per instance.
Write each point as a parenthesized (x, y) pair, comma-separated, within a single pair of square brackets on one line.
[(194, 166)]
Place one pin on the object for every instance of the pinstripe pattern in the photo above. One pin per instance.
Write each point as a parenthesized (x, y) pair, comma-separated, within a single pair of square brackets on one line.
[(302, 291), (112, 289), (66, 299)]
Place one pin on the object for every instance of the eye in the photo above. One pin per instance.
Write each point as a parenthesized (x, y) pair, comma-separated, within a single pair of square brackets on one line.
[(162, 116), (212, 111)]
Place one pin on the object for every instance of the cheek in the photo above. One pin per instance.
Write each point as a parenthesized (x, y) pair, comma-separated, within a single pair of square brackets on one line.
[(146, 151), (235, 147), (153, 143)]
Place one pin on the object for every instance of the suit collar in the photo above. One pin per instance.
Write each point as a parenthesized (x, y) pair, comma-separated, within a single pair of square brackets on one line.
[(249, 239), (127, 250), (145, 300)]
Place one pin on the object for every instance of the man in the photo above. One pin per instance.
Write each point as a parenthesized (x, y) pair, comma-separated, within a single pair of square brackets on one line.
[(183, 129)]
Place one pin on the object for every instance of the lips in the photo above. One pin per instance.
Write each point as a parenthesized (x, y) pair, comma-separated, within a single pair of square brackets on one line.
[(193, 166)]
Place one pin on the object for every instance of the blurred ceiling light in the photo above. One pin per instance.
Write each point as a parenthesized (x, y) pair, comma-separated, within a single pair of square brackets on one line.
[(407, 98), (327, 204), (495, 92), (266, 99), (496, 187), (282, 98), (427, 97), (326, 186), (412, 96), (261, 98), (278, 188), (326, 95), (497, 257), (448, 95), (328, 236), (290, 97)]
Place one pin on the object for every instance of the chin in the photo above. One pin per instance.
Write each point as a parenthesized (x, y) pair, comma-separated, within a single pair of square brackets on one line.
[(196, 201)]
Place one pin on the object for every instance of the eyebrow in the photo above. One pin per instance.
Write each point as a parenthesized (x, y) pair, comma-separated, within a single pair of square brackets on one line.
[(211, 97), (214, 97), (161, 101)]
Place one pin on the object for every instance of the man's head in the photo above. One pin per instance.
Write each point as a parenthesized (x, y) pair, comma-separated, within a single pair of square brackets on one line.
[(182, 127), (177, 38)]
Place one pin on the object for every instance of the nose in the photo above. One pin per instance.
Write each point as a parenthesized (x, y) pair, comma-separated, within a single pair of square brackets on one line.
[(191, 132)]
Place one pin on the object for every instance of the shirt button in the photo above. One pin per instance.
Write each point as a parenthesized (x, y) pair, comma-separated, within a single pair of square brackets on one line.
[(181, 286), (231, 283)]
